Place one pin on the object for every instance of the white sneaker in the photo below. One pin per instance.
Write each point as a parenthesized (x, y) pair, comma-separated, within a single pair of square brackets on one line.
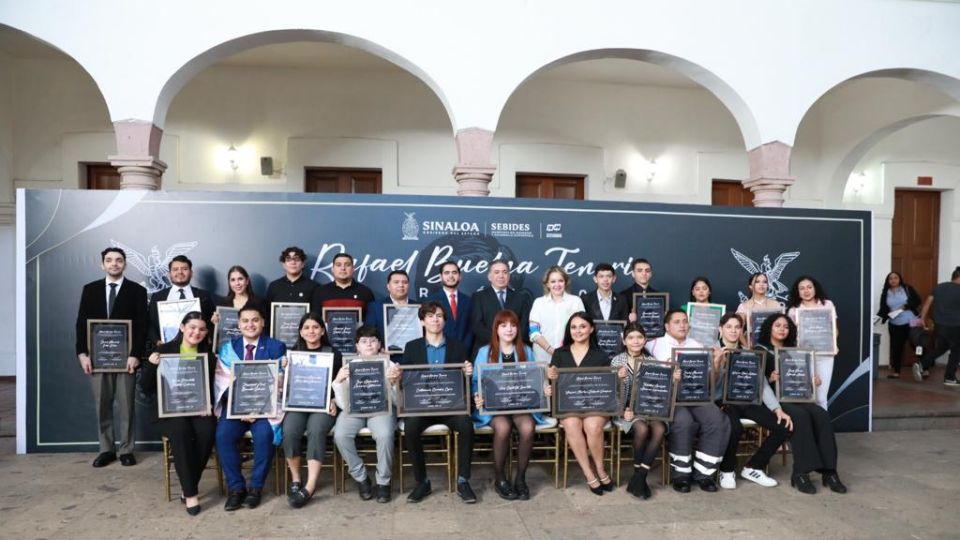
[(728, 480), (758, 476)]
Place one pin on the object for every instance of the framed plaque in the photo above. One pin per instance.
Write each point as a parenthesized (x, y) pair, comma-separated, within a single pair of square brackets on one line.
[(610, 336), (183, 385), (307, 381), (650, 309), (253, 392), (755, 321), (285, 321), (587, 392), (433, 390), (401, 325), (108, 342), (797, 369), (170, 313), (654, 393), (705, 321), (228, 328), (513, 388), (743, 381), (817, 329), (342, 324), (369, 391), (696, 384)]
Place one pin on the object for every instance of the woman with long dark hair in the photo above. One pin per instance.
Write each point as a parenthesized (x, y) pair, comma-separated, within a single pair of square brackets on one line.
[(808, 293), (701, 292), (191, 437), (900, 307), (239, 292), (814, 443), (505, 347)]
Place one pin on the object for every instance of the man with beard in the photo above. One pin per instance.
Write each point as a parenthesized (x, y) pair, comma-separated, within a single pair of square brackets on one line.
[(181, 272), (456, 305)]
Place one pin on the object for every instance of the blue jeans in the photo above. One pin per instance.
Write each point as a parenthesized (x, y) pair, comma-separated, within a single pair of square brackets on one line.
[(229, 433)]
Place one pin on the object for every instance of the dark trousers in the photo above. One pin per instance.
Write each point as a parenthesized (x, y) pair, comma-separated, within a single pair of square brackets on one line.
[(191, 440), (764, 418), (229, 433), (813, 442), (710, 428), (947, 338), (899, 335), (413, 428)]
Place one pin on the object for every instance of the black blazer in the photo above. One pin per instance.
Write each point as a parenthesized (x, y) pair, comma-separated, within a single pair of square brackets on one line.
[(148, 374), (207, 307), (619, 306), (416, 352), (563, 358), (484, 307), (131, 303)]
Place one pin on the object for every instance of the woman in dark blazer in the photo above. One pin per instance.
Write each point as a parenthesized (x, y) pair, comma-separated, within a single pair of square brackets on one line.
[(585, 435), (901, 299), (191, 437)]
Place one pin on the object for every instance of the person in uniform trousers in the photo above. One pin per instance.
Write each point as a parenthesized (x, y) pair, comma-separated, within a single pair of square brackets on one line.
[(434, 348), (398, 286), (705, 423), (191, 437), (113, 297), (266, 433), (343, 291), (456, 305), (642, 272), (487, 302), (602, 303), (181, 272)]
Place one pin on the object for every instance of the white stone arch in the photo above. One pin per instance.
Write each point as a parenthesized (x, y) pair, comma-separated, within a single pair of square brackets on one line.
[(723, 91), (177, 80)]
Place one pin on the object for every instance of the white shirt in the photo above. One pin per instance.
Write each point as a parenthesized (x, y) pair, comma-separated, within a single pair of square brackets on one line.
[(662, 348), (606, 304), (552, 319), (174, 293), (106, 296)]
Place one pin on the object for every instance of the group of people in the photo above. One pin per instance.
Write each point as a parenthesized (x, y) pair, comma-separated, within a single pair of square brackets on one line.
[(497, 324)]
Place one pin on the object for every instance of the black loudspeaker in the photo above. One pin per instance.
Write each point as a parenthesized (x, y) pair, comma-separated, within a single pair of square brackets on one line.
[(266, 166), (620, 179)]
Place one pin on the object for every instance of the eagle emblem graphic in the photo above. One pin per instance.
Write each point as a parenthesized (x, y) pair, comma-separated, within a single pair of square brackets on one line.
[(773, 272), (153, 266)]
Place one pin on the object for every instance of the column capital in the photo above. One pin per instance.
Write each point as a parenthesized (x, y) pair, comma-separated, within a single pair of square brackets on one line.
[(769, 173), (139, 172), (474, 168)]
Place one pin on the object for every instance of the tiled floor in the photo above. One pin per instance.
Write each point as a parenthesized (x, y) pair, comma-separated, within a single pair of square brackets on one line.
[(903, 397)]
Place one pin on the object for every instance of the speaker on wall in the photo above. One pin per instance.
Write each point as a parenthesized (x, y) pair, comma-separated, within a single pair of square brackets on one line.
[(620, 179), (266, 166)]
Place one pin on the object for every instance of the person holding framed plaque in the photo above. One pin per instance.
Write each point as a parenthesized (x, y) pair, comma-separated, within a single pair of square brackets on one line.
[(584, 434), (116, 298), (647, 433), (642, 272), (265, 432), (505, 348), (701, 292), (813, 441), (180, 270), (602, 303), (808, 294), (434, 348), (191, 437), (343, 291), (315, 426), (382, 425), (769, 414), (294, 286), (550, 313), (239, 293), (398, 286), (706, 423)]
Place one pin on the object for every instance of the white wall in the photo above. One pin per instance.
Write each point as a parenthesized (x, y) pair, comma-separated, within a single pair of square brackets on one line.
[(7, 248)]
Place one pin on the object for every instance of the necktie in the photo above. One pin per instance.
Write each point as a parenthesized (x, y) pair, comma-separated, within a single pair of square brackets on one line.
[(182, 296), (453, 304), (111, 299), (249, 355), (502, 297)]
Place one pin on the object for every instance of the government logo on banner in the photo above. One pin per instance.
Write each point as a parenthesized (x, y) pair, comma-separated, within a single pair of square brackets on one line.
[(777, 290)]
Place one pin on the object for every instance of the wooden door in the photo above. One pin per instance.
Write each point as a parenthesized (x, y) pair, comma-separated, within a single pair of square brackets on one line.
[(731, 193), (542, 186), (329, 180), (915, 238), (102, 176)]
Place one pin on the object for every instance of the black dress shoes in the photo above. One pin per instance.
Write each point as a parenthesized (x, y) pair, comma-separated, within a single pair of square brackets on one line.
[(234, 500), (521, 489), (127, 460), (466, 492), (419, 492), (104, 459), (708, 485), (803, 484), (253, 498), (365, 489), (681, 486), (832, 481), (193, 510), (503, 489), (383, 493)]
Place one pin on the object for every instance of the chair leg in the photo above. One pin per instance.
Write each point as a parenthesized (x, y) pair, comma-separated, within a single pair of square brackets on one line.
[(566, 462), (452, 457), (166, 468)]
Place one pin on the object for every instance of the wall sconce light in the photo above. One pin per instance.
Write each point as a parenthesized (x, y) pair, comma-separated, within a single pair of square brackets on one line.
[(652, 169), (233, 156)]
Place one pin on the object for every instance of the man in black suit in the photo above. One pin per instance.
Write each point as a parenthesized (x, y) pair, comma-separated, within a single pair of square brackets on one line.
[(181, 272), (456, 305), (434, 348), (602, 303), (486, 302), (642, 272), (113, 298)]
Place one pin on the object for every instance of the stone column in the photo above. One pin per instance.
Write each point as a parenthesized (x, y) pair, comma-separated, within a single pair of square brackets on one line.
[(138, 154), (769, 173), (474, 168)]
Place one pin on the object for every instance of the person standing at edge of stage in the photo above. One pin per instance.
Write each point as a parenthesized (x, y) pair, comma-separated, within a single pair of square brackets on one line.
[(900, 306)]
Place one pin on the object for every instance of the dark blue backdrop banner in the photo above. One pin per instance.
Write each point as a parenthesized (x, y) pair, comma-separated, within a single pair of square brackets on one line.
[(66, 230)]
